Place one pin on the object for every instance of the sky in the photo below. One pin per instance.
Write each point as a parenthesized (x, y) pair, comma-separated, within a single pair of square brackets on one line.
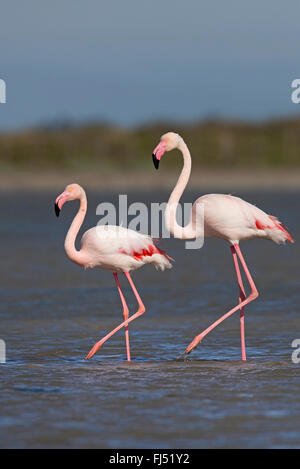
[(134, 61)]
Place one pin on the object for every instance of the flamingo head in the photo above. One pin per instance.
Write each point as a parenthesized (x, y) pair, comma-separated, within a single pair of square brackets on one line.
[(71, 192), (168, 142)]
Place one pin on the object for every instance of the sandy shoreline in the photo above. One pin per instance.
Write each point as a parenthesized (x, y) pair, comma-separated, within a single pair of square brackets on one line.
[(213, 179)]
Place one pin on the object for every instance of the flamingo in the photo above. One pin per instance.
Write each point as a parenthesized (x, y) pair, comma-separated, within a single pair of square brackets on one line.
[(113, 248), (221, 216)]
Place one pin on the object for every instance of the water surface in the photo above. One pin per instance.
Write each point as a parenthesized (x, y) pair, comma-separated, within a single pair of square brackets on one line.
[(52, 312)]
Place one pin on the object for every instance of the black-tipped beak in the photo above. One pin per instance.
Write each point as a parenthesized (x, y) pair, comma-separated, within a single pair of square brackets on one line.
[(155, 161), (57, 209)]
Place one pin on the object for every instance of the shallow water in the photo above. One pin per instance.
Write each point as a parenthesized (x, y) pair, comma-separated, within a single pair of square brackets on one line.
[(52, 312)]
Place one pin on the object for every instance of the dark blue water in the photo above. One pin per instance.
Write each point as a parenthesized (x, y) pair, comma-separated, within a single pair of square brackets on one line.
[(52, 312)]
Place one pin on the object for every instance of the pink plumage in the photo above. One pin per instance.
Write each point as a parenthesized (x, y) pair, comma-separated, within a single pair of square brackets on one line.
[(219, 216), (119, 249), (234, 220), (113, 248)]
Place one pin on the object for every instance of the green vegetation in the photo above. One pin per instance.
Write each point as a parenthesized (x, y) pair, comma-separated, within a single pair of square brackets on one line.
[(212, 144)]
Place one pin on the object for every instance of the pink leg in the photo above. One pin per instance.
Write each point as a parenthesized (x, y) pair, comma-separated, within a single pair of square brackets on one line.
[(139, 312), (251, 297), (125, 315), (242, 297)]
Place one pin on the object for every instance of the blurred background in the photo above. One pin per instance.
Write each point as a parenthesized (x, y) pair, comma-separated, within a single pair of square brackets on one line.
[(92, 85)]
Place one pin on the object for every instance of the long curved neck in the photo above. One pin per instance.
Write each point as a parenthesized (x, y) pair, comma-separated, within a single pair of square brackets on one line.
[(184, 175), (71, 251), (190, 231)]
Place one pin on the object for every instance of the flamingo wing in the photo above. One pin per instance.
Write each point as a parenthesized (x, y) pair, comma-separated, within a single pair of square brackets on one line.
[(114, 242)]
